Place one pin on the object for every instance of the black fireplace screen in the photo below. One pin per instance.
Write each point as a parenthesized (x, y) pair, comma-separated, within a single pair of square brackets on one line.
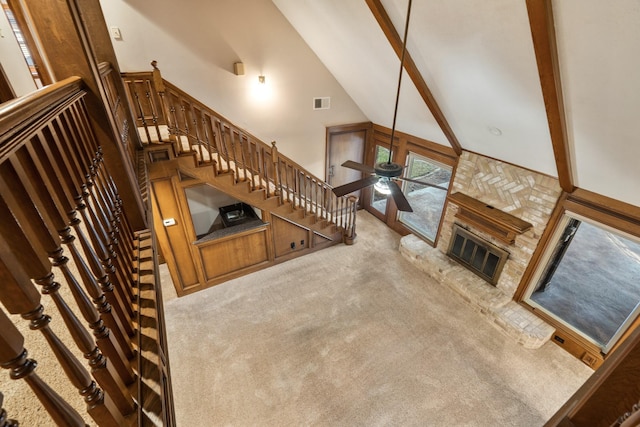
[(481, 257)]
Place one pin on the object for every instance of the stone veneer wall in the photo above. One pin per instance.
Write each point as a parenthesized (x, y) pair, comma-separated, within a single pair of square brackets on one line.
[(523, 193)]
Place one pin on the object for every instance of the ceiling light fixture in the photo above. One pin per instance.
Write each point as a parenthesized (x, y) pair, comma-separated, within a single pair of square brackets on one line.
[(382, 186), (261, 80), (495, 131)]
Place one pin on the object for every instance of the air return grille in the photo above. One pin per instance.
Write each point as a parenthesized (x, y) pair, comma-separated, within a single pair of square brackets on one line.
[(481, 257), (321, 103)]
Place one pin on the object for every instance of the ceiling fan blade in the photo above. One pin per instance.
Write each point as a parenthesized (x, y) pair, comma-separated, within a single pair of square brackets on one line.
[(401, 202), (354, 186), (423, 183), (358, 166)]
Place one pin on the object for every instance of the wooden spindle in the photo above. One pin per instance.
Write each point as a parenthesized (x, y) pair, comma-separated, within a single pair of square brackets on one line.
[(87, 164), (252, 153), (32, 229), (151, 105), (13, 356), (119, 301), (36, 184), (62, 185), (242, 156), (133, 89), (5, 421), (234, 157)]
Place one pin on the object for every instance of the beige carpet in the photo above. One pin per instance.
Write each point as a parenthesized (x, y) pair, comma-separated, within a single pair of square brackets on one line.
[(353, 335)]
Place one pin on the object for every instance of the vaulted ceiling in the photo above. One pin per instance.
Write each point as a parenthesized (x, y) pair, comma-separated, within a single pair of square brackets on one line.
[(479, 83)]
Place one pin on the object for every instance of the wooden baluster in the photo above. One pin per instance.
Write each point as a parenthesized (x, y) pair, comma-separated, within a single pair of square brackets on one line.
[(96, 237), (47, 160), (64, 155), (196, 132), (38, 239), (5, 421), (259, 164), (19, 296), (176, 130), (53, 202), (243, 157), (13, 356), (233, 154), (303, 187), (265, 168), (150, 103), (225, 146), (215, 135), (138, 105), (287, 183), (278, 174), (207, 141), (90, 161), (252, 153)]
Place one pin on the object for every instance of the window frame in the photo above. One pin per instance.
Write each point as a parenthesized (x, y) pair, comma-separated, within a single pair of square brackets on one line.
[(622, 218), (403, 144)]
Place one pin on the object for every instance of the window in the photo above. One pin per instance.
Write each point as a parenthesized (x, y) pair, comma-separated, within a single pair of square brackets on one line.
[(426, 201), (589, 282), (379, 201)]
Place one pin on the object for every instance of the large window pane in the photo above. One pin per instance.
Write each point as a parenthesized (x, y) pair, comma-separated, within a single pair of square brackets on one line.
[(427, 202), (590, 282)]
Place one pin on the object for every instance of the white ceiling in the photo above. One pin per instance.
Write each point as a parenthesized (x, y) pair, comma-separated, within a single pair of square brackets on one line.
[(478, 60)]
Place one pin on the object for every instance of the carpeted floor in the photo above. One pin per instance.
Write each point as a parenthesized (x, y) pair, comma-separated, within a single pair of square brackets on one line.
[(353, 335)]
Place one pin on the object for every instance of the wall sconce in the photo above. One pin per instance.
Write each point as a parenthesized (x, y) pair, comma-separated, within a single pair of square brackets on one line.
[(261, 80)]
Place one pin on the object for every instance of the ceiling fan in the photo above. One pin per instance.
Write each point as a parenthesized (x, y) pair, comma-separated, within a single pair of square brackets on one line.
[(384, 174)]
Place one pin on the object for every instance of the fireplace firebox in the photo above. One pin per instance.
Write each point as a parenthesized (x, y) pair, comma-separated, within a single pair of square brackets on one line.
[(476, 254)]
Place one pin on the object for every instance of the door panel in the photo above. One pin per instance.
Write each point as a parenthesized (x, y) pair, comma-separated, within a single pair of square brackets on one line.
[(343, 146)]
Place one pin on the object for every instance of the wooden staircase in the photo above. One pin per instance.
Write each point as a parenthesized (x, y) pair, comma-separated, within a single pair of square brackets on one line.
[(186, 140), (266, 197)]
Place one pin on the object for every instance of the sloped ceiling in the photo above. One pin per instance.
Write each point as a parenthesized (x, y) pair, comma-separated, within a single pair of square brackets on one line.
[(478, 60)]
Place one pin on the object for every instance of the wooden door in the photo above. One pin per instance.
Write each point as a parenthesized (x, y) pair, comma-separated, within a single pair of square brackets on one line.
[(345, 143)]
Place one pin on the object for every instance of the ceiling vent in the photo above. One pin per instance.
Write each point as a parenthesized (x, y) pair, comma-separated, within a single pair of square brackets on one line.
[(321, 103)]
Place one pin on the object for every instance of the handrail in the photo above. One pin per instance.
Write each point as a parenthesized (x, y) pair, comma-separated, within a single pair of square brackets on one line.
[(195, 129), (34, 106), (60, 207)]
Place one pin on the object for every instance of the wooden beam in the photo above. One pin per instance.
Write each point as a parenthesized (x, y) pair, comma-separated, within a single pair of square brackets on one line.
[(544, 45), (396, 43)]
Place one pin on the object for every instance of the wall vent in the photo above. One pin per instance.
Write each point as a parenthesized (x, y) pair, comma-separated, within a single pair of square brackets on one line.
[(321, 103), (481, 257)]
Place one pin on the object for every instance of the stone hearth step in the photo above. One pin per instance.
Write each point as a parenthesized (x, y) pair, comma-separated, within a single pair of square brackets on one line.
[(499, 308)]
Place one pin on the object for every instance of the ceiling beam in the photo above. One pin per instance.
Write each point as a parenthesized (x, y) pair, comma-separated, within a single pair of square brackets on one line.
[(544, 44), (396, 42)]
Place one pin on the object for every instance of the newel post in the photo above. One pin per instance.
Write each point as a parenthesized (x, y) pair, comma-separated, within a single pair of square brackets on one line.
[(350, 229), (167, 110)]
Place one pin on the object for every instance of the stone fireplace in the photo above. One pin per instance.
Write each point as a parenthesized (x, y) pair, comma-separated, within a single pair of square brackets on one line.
[(478, 256), (488, 188)]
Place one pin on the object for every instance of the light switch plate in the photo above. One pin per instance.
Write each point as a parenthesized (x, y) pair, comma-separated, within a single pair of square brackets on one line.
[(168, 222), (115, 33)]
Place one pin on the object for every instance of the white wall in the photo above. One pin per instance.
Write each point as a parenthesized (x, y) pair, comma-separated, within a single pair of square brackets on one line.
[(196, 43), (13, 63)]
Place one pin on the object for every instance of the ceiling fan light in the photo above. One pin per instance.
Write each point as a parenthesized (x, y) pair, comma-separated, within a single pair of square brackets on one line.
[(382, 186)]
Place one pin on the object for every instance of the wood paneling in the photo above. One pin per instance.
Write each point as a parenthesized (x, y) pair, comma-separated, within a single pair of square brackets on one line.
[(173, 239), (234, 253), (288, 237)]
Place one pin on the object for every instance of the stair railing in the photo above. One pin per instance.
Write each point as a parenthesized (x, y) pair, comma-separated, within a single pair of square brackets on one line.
[(195, 129), (51, 170)]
